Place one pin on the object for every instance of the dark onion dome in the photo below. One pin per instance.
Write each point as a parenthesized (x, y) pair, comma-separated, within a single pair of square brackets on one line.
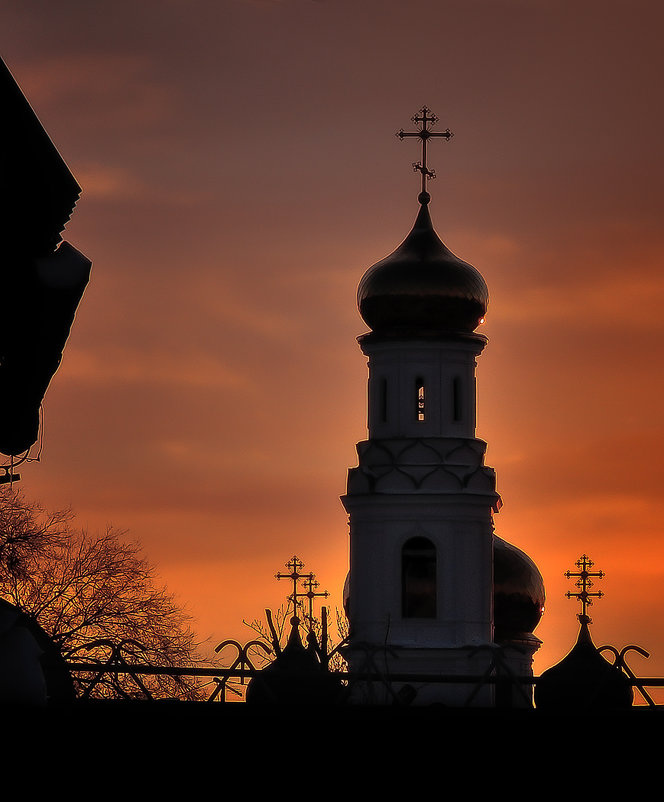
[(295, 677), (25, 648), (583, 680), (518, 591), (422, 288)]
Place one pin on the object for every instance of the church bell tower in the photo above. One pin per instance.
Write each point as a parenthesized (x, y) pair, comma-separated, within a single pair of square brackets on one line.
[(421, 500)]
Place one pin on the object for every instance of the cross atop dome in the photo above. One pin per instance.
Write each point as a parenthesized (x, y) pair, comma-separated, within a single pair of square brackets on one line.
[(424, 118), (585, 596), (295, 566)]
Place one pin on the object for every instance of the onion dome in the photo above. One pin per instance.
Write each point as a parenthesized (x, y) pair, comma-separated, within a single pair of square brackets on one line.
[(422, 288), (583, 680), (32, 669), (518, 592), (295, 677)]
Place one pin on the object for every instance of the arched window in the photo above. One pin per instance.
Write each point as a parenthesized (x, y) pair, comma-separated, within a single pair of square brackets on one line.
[(418, 578)]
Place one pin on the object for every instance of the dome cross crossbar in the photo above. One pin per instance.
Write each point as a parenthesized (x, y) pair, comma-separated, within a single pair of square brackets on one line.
[(584, 582), (424, 118)]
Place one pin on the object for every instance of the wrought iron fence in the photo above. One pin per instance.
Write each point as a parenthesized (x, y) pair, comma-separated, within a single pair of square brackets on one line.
[(220, 679), (223, 683)]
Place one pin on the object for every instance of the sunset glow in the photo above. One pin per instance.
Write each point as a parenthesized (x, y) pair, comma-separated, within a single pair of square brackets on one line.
[(240, 173)]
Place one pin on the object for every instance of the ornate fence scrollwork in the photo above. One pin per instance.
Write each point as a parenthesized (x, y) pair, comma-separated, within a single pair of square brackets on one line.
[(621, 663), (242, 663), (114, 664)]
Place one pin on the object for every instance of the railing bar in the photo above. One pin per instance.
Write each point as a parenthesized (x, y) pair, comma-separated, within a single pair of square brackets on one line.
[(248, 674)]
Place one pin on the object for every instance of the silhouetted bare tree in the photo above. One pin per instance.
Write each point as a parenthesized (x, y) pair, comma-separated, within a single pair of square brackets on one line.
[(26, 532), (95, 596)]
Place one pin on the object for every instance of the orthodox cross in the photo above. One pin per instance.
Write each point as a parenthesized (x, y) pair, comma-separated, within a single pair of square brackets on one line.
[(424, 118), (584, 582), (294, 566), (310, 593)]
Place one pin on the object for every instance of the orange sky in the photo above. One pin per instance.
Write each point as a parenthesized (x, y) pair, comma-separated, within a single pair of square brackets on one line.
[(240, 172)]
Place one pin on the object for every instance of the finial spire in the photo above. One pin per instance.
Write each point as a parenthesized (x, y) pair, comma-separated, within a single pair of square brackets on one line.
[(584, 564), (424, 118)]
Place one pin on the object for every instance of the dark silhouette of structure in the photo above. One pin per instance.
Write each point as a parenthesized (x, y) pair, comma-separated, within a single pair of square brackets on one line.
[(32, 669), (43, 278)]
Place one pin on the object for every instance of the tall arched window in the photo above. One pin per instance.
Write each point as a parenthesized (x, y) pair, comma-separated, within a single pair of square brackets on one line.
[(418, 578)]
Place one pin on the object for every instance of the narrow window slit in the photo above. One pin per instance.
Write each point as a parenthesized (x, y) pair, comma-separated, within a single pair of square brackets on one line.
[(383, 400), (419, 398), (456, 399)]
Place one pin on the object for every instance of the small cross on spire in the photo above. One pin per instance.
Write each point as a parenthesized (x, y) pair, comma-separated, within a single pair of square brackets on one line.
[(584, 564), (423, 118), (295, 566), (310, 584)]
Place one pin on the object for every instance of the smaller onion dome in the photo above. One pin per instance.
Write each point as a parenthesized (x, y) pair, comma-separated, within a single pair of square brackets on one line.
[(518, 591), (32, 669), (422, 288), (583, 680), (295, 677)]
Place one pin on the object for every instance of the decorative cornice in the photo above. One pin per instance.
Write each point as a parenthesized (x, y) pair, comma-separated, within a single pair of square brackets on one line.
[(422, 465)]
